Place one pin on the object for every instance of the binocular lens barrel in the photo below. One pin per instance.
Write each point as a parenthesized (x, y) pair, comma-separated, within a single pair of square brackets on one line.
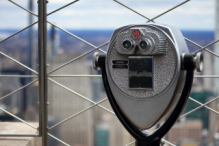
[(143, 45), (127, 44)]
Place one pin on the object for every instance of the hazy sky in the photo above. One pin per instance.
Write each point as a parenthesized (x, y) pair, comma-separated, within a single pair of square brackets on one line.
[(107, 14)]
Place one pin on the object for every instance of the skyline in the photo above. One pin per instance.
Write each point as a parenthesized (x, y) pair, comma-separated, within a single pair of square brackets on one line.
[(98, 14)]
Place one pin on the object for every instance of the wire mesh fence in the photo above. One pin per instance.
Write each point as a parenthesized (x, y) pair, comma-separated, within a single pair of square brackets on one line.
[(78, 110)]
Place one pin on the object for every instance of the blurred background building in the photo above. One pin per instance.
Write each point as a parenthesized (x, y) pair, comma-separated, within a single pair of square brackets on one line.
[(97, 127)]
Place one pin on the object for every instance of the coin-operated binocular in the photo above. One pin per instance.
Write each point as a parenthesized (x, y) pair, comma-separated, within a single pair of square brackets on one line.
[(147, 74)]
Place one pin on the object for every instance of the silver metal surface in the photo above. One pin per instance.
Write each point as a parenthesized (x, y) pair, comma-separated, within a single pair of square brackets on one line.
[(42, 46), (216, 47), (149, 44), (206, 76), (74, 76), (199, 62), (163, 64), (132, 44), (152, 36), (18, 76), (18, 135), (95, 61), (133, 101)]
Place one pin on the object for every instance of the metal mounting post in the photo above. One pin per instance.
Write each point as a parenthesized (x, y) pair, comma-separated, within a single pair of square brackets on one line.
[(42, 43)]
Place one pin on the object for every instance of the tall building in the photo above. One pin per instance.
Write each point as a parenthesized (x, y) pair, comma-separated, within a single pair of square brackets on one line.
[(186, 133), (62, 103)]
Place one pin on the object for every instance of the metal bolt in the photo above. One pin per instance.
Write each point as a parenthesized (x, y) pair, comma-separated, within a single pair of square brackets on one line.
[(95, 61), (198, 60)]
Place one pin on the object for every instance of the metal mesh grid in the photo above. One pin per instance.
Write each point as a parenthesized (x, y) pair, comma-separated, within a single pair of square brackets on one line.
[(95, 48)]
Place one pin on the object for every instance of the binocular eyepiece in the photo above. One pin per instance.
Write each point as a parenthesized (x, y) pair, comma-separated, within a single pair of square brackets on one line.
[(147, 73), (143, 44)]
